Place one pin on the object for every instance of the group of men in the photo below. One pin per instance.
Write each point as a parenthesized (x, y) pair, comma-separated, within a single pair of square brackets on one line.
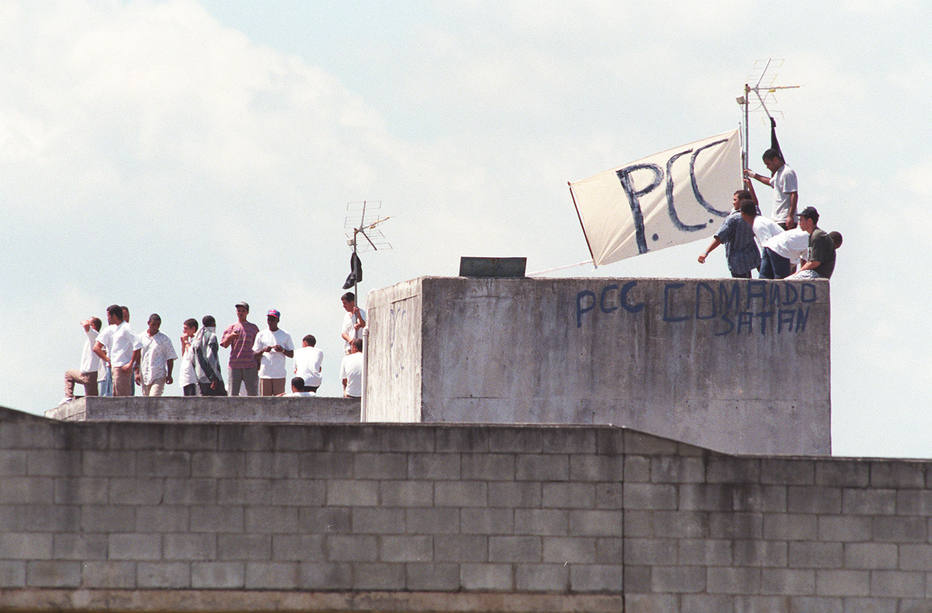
[(791, 245), (115, 359)]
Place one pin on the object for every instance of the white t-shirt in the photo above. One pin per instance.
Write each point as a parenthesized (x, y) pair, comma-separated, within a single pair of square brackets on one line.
[(307, 364), (349, 329), (351, 370), (301, 394), (765, 228), (272, 365), (188, 374), (120, 343), (90, 361), (791, 244), (155, 352), (784, 183)]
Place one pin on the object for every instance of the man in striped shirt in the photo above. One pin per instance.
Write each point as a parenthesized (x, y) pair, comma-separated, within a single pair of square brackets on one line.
[(239, 337)]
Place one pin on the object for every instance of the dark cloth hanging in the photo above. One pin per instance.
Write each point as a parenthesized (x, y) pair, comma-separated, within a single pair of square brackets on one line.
[(355, 275), (774, 143)]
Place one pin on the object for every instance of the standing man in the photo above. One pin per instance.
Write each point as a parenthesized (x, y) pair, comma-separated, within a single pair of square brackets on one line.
[(785, 190), (351, 371), (207, 359), (188, 377), (157, 358), (354, 320), (90, 363), (820, 259), (239, 337), (272, 346), (308, 361), (116, 346), (737, 232)]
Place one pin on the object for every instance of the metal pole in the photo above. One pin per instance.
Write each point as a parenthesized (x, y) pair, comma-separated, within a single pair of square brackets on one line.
[(747, 101), (363, 412)]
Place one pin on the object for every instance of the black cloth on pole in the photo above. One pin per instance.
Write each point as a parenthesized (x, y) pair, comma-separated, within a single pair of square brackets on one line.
[(774, 143), (355, 275)]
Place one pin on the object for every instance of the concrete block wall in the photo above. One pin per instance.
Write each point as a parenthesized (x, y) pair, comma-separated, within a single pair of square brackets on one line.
[(490, 517)]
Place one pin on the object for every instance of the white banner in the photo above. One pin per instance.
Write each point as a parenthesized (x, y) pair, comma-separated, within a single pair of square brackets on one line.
[(666, 199)]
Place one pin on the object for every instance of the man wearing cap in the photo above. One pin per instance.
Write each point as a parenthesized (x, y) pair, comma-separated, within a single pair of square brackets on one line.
[(272, 346), (785, 191), (820, 259), (239, 337)]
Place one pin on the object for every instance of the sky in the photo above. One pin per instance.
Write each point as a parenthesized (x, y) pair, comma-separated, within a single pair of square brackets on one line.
[(181, 156)]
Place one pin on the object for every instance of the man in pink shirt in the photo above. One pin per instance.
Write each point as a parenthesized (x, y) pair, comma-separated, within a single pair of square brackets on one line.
[(239, 337)]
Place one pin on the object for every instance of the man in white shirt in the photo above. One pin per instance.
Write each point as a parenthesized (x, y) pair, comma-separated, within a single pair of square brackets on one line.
[(781, 253), (351, 371), (308, 361), (116, 346), (785, 188), (354, 320), (272, 346), (298, 389), (157, 357), (188, 376), (90, 363)]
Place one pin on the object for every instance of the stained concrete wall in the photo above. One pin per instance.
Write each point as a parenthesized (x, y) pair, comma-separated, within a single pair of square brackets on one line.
[(433, 517), (733, 365)]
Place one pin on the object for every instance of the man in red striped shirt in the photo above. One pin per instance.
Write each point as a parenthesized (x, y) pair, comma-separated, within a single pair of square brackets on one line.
[(239, 337)]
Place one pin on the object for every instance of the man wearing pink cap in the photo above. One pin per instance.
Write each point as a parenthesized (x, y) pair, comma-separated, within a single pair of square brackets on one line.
[(272, 346)]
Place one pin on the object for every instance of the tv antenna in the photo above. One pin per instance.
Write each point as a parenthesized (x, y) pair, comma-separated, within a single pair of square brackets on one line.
[(764, 89), (363, 219)]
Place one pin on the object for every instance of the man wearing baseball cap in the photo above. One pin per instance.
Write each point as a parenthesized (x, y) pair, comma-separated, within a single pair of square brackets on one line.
[(820, 259), (239, 337), (272, 346)]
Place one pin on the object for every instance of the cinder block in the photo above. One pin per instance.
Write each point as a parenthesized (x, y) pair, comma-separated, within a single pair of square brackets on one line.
[(379, 466), (568, 439), (80, 546), (655, 551), (268, 519), (609, 440), (50, 462), (443, 520), (300, 492), (162, 575), (597, 577), (352, 548), (486, 521), (460, 494), (30, 435), (190, 491), (378, 520), (134, 546), (787, 581), (207, 575), (25, 546), (844, 528), (707, 603), (461, 548), (135, 435), (871, 555), (639, 443), (729, 469), (596, 523), (487, 466), (163, 464), (189, 437), (53, 573), (12, 463), (677, 579), (637, 579), (271, 575), (917, 557), (218, 464), (406, 549), (897, 473), (567, 549), (105, 574), (240, 437), (80, 490), (707, 552), (461, 439), (705, 497), (244, 547), (108, 463), (434, 466), (636, 468), (513, 495), (787, 472), (410, 438), (487, 577), (12, 574), (914, 502), (325, 576), (342, 437), (514, 549), (842, 473), (902, 584), (542, 522), (406, 493), (815, 499), (652, 603), (609, 495), (760, 553), (298, 547), (377, 576), (244, 491), (597, 468), (515, 440), (761, 604), (326, 520), (542, 578), (568, 495), (753, 497), (649, 496), (816, 555), (283, 464), (868, 501), (27, 490), (343, 492), (736, 525), (187, 546), (899, 529), (445, 577), (733, 580), (878, 605), (54, 518), (136, 491), (679, 524), (813, 604), (677, 469), (842, 582), (542, 467), (331, 465), (216, 518), (790, 527)]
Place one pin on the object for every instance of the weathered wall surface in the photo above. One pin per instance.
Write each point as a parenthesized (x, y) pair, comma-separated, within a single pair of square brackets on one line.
[(736, 366), (137, 516)]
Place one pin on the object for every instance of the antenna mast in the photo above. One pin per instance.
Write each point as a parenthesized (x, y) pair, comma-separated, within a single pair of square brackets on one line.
[(763, 93)]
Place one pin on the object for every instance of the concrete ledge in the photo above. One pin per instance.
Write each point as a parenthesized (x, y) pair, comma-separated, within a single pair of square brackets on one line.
[(206, 409), (265, 600)]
